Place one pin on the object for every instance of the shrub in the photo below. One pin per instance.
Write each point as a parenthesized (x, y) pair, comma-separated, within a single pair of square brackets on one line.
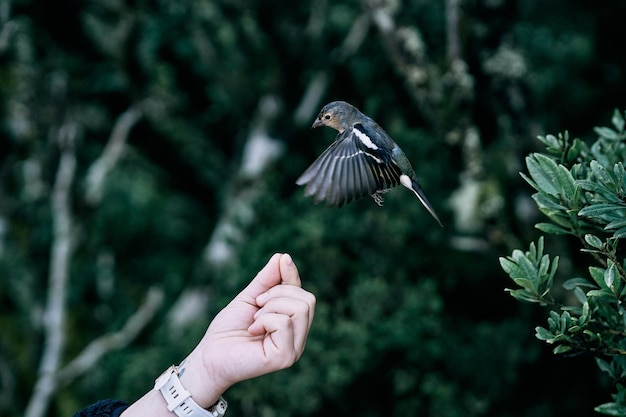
[(581, 189)]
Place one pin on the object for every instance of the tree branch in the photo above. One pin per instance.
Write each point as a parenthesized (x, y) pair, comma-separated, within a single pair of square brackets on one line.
[(259, 151), (318, 84), (60, 256), (7, 25), (98, 171), (453, 16), (99, 347), (50, 373), (407, 52)]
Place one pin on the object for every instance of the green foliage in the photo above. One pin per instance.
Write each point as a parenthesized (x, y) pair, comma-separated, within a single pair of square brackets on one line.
[(582, 191), (531, 271)]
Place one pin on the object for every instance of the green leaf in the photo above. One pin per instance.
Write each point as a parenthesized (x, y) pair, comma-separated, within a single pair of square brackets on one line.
[(604, 366), (525, 283), (598, 275), (599, 210), (605, 295), (543, 171), (611, 409), (565, 321), (529, 181), (620, 233), (593, 241), (510, 267), (618, 171), (574, 329), (549, 202), (553, 320), (560, 218), (617, 224), (544, 265), (550, 141), (543, 334), (595, 187), (528, 268), (560, 349), (585, 314), (555, 266), (566, 182), (607, 133), (553, 229), (540, 247), (519, 267), (524, 295), (572, 283), (600, 173), (580, 295), (574, 150), (618, 120), (610, 274)]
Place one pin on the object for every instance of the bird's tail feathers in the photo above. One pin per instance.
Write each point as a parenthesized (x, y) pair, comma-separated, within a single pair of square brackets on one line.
[(417, 189)]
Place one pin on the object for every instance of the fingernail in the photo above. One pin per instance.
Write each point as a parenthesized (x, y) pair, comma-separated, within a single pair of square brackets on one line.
[(288, 259)]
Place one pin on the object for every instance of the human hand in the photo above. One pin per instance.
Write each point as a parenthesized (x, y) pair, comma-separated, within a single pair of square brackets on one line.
[(262, 330)]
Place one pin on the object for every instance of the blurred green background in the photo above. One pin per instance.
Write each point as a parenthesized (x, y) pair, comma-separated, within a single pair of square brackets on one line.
[(151, 147)]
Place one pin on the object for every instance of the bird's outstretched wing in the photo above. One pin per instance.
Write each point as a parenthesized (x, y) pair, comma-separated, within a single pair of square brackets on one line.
[(352, 167)]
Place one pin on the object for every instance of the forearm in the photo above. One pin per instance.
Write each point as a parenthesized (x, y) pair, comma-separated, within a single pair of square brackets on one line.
[(204, 391), (151, 404)]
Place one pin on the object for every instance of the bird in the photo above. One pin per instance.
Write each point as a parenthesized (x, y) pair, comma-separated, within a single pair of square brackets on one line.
[(363, 160)]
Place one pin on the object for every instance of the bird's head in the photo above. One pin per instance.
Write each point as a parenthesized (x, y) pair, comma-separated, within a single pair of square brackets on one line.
[(339, 115)]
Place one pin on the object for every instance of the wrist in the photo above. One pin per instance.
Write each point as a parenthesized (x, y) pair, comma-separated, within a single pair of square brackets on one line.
[(180, 400), (201, 384), (195, 379)]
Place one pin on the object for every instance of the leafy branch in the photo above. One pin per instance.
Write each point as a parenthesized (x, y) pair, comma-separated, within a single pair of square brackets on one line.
[(581, 189)]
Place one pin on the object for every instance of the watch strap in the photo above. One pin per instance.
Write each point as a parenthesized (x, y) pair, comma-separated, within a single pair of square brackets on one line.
[(179, 400)]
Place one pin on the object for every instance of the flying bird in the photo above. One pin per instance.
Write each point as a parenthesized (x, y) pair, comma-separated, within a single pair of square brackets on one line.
[(363, 160)]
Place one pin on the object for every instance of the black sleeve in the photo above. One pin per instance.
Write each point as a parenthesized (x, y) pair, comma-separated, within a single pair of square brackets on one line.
[(104, 408)]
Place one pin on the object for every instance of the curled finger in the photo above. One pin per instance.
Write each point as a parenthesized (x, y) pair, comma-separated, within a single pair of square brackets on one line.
[(278, 340)]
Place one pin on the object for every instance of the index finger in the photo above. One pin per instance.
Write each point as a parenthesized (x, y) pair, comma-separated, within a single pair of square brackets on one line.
[(289, 271)]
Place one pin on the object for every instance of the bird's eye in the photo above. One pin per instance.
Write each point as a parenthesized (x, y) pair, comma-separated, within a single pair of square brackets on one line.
[(327, 117)]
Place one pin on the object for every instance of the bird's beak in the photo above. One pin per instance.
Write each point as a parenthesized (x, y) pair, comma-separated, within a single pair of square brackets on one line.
[(317, 123)]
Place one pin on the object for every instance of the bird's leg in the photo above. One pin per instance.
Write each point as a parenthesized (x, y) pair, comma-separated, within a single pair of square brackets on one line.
[(378, 197)]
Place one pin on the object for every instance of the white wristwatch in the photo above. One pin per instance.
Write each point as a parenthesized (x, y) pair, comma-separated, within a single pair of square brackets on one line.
[(179, 399)]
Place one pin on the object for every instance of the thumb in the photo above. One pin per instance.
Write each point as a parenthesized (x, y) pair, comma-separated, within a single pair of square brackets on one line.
[(289, 271), (265, 279)]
